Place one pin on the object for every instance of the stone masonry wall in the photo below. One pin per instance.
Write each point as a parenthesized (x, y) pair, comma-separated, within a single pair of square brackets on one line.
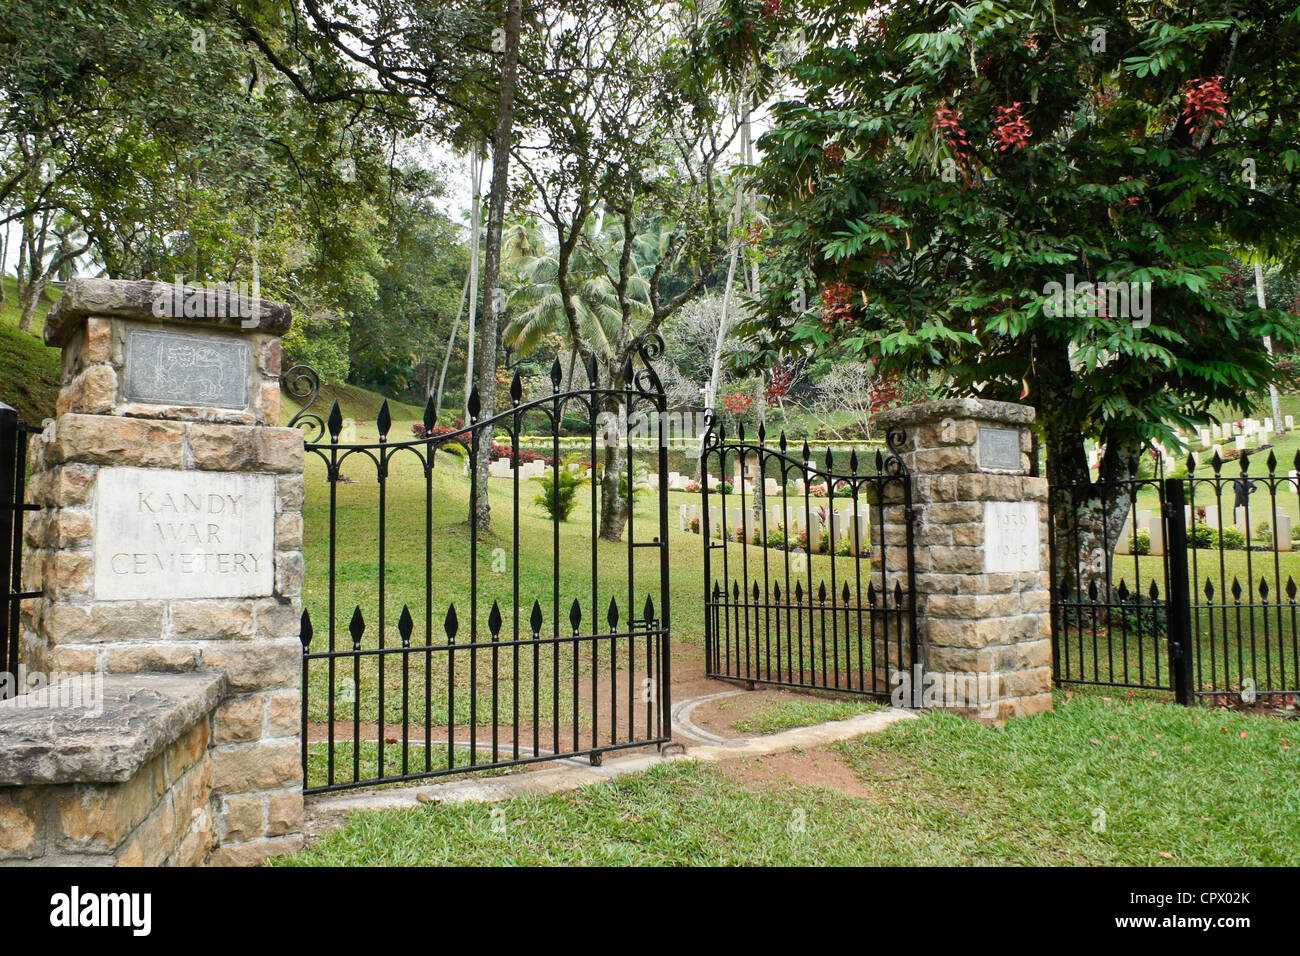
[(253, 641), (128, 787), (974, 618)]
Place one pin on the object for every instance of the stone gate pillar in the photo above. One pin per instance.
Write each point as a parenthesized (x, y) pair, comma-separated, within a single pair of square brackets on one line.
[(170, 535), (982, 568)]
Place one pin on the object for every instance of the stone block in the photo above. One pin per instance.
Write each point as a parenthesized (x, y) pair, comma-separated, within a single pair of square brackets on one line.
[(255, 852), (256, 665), (264, 765), (240, 719), (211, 620), (248, 449), (128, 621), (109, 440)]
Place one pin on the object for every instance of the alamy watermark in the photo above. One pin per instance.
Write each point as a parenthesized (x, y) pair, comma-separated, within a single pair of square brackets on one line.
[(642, 428), (38, 689), (211, 300), (1118, 300), (919, 687)]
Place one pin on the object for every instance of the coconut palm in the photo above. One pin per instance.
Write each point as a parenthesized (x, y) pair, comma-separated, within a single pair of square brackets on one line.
[(596, 302)]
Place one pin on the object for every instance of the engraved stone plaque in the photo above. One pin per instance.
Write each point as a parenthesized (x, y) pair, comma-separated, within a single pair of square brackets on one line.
[(173, 368), (1000, 448), (164, 535), (1010, 536)]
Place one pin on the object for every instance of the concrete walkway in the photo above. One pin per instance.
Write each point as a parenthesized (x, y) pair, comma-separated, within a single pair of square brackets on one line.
[(576, 772)]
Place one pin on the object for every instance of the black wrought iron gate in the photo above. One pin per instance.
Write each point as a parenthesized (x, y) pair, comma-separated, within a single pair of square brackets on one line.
[(14, 435), (1183, 585), (433, 646), (809, 570)]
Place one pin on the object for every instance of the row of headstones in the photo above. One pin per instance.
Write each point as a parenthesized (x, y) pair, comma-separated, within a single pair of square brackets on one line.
[(1281, 529), (843, 523), (1248, 432), (1214, 439), (502, 468)]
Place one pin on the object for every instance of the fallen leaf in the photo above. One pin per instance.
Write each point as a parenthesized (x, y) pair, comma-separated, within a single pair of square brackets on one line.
[(1166, 854)]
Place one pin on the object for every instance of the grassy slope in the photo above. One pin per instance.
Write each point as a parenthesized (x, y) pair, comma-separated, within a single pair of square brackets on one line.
[(29, 372), (1098, 782)]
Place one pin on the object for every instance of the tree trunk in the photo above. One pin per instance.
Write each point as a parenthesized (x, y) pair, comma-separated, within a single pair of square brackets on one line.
[(613, 508), (487, 340), (1279, 426), (28, 300), (1086, 516), (451, 342)]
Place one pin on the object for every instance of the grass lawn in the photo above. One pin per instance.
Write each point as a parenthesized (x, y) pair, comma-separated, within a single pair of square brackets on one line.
[(788, 714), (29, 372), (1099, 781)]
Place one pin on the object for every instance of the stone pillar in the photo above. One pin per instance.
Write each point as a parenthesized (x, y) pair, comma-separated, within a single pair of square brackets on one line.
[(982, 567), (170, 535)]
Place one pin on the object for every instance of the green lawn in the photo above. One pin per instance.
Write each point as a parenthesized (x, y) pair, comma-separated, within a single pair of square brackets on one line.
[(29, 372), (1097, 782), (788, 714)]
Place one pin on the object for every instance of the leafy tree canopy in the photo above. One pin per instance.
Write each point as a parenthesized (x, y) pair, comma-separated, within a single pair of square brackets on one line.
[(945, 162)]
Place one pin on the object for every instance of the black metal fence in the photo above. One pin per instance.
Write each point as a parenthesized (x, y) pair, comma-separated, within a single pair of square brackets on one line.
[(1183, 585), (534, 641), (13, 488), (794, 594)]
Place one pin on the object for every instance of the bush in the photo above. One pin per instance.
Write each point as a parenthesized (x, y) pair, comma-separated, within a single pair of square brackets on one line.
[(692, 486), (1233, 539), (458, 447), (1264, 534), (1142, 541), (695, 526), (559, 491), (1206, 537), (776, 537)]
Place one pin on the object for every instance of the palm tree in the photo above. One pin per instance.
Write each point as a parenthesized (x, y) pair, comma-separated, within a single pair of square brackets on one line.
[(541, 306)]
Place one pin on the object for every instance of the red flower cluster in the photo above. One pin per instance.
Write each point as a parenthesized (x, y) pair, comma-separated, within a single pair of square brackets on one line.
[(836, 304), (779, 381), (500, 451), (948, 123), (1011, 129), (1204, 99), (737, 404), (1131, 200), (885, 394), (418, 431)]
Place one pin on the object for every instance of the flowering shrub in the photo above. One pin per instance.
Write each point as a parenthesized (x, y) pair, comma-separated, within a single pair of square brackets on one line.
[(836, 304), (1205, 100), (692, 486), (695, 526), (525, 456), (779, 381), (948, 124), (818, 491), (737, 404), (1011, 129), (886, 393)]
